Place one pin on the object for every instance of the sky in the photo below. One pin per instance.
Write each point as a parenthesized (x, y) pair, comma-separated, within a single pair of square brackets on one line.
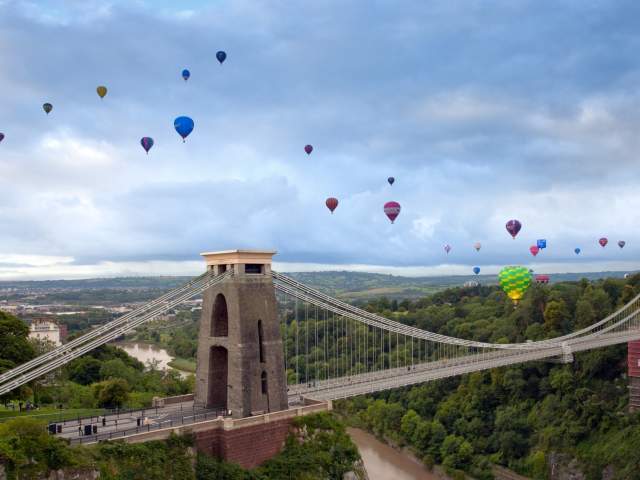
[(482, 111)]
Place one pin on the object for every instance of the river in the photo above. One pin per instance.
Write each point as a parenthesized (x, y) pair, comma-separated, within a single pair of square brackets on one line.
[(148, 352), (383, 462)]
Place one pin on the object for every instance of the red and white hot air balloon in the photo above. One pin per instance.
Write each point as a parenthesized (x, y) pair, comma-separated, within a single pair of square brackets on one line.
[(331, 203), (603, 242), (392, 210)]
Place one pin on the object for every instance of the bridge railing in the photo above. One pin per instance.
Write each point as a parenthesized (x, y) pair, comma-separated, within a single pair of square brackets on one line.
[(170, 423)]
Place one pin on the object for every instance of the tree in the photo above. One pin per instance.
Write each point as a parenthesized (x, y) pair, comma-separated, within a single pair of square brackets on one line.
[(585, 314), (25, 447), (15, 347), (409, 423), (556, 317), (116, 368), (112, 393), (85, 370)]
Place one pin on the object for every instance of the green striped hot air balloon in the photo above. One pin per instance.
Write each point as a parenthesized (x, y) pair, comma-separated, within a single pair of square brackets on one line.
[(515, 281)]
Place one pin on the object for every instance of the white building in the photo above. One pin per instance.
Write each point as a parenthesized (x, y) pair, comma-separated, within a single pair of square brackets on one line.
[(45, 329)]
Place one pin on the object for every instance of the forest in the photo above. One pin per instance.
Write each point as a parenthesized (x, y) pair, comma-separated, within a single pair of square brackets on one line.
[(525, 417)]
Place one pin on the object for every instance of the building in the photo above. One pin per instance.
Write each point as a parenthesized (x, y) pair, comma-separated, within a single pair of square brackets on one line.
[(46, 329)]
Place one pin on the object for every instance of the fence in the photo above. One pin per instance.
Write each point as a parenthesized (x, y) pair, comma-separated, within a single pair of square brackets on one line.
[(170, 423)]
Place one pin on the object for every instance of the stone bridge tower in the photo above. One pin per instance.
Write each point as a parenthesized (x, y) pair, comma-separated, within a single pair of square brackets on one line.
[(240, 354)]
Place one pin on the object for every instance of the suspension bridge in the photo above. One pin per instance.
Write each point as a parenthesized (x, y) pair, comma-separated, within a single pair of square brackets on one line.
[(327, 349)]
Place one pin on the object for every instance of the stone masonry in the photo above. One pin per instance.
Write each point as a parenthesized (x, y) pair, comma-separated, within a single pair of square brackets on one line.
[(240, 364)]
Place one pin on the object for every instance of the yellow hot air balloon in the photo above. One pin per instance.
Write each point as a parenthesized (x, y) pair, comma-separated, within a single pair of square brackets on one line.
[(102, 91), (515, 281)]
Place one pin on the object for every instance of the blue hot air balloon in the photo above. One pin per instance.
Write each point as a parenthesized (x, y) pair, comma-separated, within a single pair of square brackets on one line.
[(577, 250), (221, 56), (542, 244), (147, 143), (184, 126), (476, 270), (186, 74), (391, 180)]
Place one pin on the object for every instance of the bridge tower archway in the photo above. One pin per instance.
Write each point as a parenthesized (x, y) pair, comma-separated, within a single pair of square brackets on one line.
[(218, 377)]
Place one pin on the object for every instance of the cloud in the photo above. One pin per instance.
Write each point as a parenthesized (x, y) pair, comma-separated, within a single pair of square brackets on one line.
[(481, 112)]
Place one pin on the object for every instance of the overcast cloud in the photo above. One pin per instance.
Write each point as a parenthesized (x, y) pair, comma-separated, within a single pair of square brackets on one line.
[(483, 111)]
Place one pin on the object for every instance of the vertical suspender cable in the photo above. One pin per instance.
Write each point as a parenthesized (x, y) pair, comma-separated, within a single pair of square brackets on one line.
[(298, 380)]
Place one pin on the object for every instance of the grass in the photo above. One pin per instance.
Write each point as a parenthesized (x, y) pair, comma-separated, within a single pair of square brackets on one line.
[(50, 413), (183, 364)]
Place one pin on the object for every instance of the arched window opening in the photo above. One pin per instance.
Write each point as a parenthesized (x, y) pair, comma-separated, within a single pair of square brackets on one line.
[(263, 381), (261, 341), (220, 318)]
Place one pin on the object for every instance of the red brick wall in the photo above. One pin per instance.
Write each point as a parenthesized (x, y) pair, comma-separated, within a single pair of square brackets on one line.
[(633, 358), (247, 446)]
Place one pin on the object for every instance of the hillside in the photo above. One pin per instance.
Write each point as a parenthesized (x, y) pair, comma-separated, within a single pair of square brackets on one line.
[(343, 284)]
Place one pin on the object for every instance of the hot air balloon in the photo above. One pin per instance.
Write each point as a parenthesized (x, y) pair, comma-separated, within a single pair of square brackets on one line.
[(542, 278), (1, 136), (626, 275), (476, 270), (391, 180), (513, 227), (47, 107), (147, 143), (184, 126), (621, 243), (221, 56), (447, 248), (603, 242), (515, 281), (102, 91), (308, 149), (577, 250), (186, 74), (477, 246), (534, 249), (541, 243), (392, 210), (331, 203)]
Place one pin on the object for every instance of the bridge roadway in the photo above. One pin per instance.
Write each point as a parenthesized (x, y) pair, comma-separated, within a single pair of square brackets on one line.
[(363, 383), (124, 423)]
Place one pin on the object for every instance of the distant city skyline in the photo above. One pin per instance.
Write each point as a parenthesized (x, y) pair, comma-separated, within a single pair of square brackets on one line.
[(478, 120)]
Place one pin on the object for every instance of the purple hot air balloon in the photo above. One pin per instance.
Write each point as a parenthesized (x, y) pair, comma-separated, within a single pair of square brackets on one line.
[(1, 136), (147, 143), (447, 248), (621, 243), (513, 227), (308, 149)]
